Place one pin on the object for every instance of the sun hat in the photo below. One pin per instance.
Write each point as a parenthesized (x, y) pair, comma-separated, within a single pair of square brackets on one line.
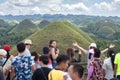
[(28, 41)]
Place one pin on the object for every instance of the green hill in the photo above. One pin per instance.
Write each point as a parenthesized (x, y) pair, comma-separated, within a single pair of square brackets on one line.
[(43, 23), (26, 26), (4, 27), (65, 33), (103, 29)]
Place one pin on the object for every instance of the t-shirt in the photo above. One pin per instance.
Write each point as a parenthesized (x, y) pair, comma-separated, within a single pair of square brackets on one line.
[(66, 76), (22, 66), (56, 75), (107, 66), (89, 58), (27, 52), (117, 61), (41, 74)]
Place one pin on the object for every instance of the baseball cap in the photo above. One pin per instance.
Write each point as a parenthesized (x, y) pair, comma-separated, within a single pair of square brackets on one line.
[(3, 52), (28, 41)]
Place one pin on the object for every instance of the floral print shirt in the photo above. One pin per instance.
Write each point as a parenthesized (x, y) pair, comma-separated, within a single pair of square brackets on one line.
[(22, 66)]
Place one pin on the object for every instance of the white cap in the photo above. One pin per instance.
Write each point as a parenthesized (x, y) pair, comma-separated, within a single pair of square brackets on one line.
[(28, 41), (3, 52), (93, 45)]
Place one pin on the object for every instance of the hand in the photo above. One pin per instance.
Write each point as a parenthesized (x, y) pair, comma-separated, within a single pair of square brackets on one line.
[(57, 51), (75, 44), (111, 46)]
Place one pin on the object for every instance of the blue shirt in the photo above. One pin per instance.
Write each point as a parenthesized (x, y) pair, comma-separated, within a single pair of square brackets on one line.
[(22, 65)]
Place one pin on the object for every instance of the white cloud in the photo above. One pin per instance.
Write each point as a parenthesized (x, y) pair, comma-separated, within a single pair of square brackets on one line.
[(79, 6), (24, 7), (104, 6)]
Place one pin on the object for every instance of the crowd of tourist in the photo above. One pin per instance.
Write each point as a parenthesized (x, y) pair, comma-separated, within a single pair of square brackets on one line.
[(52, 65)]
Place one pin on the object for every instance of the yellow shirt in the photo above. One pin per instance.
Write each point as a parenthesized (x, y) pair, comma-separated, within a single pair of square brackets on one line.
[(117, 61), (55, 75)]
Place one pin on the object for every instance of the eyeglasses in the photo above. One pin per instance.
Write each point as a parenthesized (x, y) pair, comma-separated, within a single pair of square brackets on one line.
[(92, 47)]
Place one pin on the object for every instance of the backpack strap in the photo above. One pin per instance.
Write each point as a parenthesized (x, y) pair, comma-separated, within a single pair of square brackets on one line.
[(43, 73)]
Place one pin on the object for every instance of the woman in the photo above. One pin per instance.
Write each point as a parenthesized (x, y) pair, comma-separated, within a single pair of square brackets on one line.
[(108, 65), (95, 71), (54, 51), (70, 54)]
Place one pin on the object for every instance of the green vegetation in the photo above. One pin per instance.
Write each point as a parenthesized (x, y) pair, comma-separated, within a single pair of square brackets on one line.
[(102, 29), (65, 33), (43, 23), (26, 26)]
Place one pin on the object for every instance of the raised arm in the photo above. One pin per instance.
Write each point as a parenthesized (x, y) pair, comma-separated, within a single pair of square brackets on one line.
[(105, 50), (79, 47)]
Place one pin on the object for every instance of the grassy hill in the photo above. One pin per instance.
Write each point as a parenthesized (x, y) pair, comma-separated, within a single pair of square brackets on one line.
[(26, 26), (102, 29), (65, 33), (43, 23)]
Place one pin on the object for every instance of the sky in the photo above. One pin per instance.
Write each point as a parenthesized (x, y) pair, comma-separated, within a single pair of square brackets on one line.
[(79, 7)]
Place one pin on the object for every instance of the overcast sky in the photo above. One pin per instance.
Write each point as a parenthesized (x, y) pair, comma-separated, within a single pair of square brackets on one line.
[(85, 7)]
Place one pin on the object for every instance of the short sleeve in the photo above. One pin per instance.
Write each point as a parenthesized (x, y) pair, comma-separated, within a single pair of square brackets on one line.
[(32, 61), (104, 65)]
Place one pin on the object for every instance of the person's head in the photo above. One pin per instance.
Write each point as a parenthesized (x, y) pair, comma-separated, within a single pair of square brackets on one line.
[(21, 47), (97, 53), (76, 71), (62, 61), (44, 59), (52, 43), (92, 45), (111, 54), (70, 52), (36, 56), (46, 50), (3, 53), (28, 43)]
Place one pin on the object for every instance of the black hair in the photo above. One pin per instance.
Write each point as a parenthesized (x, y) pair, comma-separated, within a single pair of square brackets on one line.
[(78, 68), (97, 53), (21, 47), (111, 54), (45, 50), (62, 58), (51, 41), (44, 59)]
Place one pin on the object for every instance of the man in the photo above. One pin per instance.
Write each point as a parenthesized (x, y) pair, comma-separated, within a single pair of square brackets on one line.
[(28, 44), (3, 54), (117, 66), (76, 71), (42, 73), (23, 66), (58, 72)]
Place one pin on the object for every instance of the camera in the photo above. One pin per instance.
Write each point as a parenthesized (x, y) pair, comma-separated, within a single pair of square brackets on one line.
[(76, 51)]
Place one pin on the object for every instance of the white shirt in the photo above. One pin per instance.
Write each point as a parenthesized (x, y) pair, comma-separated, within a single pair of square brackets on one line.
[(66, 76), (27, 52), (107, 66)]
